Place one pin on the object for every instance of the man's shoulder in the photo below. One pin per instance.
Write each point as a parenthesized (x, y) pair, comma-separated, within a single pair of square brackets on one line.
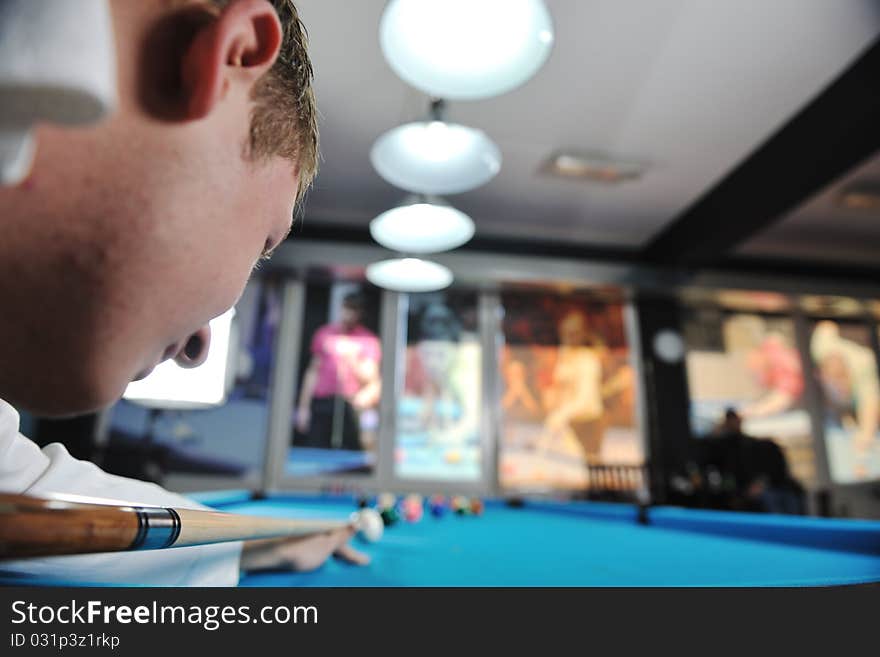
[(324, 332), (9, 417)]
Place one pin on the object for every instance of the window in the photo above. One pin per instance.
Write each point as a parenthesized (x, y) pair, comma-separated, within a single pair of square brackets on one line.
[(568, 391), (439, 409)]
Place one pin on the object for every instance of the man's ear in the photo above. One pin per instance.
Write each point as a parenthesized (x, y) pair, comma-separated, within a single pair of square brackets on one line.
[(237, 47)]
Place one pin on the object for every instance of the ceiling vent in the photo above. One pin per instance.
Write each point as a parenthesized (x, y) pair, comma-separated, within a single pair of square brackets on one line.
[(591, 167), (861, 196)]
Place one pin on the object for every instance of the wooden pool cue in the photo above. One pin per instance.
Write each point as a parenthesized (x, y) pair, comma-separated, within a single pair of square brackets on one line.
[(37, 527)]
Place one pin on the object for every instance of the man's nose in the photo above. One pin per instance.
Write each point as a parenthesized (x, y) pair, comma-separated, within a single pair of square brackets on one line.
[(195, 350)]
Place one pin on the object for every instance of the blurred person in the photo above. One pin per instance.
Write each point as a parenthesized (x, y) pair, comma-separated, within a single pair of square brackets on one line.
[(127, 237), (518, 399), (342, 380), (775, 365), (747, 473), (449, 357), (848, 375), (574, 404)]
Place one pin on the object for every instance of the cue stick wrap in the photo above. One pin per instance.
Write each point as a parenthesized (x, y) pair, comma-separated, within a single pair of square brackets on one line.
[(35, 527), (158, 528)]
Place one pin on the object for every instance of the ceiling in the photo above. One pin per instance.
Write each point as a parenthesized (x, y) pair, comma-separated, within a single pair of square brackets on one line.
[(688, 87), (824, 231)]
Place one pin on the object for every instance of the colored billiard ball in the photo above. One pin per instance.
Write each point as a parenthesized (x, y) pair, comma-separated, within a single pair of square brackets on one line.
[(452, 456), (460, 505), (413, 513), (412, 508), (437, 506), (389, 516), (477, 506)]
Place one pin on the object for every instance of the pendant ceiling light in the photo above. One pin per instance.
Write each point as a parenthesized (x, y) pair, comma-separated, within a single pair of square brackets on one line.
[(422, 225), (409, 275), (435, 157), (466, 49)]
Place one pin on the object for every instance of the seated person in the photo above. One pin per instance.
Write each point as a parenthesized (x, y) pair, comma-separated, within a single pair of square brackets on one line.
[(773, 489), (127, 237), (746, 473)]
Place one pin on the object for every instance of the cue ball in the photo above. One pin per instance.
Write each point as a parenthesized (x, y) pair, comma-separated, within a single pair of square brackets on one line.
[(369, 524)]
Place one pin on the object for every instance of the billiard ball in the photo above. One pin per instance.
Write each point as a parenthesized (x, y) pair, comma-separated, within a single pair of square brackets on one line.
[(389, 516), (413, 513), (438, 506), (452, 456), (385, 501), (412, 508), (477, 506), (460, 505), (369, 524)]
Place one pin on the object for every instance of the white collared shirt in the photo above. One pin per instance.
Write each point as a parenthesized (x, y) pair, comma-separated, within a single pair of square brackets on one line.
[(27, 469)]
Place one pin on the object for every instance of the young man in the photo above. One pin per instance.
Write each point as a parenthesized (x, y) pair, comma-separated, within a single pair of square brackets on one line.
[(341, 382), (129, 236)]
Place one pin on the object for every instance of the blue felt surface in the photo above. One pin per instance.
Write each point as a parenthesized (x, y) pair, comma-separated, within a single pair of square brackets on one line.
[(312, 461), (587, 544)]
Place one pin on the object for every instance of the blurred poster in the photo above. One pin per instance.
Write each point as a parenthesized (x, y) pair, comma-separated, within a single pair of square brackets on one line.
[(846, 368), (750, 363), (568, 395), (438, 414)]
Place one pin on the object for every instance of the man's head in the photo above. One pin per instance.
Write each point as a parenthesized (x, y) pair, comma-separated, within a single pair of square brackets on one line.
[(573, 328), (129, 236), (732, 422), (352, 311)]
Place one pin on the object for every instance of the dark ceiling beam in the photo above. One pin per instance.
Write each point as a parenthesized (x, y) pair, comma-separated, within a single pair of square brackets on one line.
[(485, 243), (824, 271), (837, 130), (767, 267)]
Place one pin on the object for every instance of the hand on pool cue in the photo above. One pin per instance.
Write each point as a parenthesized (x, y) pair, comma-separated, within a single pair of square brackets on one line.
[(31, 527), (301, 553)]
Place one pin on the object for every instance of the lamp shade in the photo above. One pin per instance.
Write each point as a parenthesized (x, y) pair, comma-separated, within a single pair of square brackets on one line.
[(409, 275), (422, 227), (466, 49), (434, 157)]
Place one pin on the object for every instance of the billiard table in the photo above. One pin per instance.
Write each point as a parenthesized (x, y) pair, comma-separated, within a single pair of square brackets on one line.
[(544, 543)]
